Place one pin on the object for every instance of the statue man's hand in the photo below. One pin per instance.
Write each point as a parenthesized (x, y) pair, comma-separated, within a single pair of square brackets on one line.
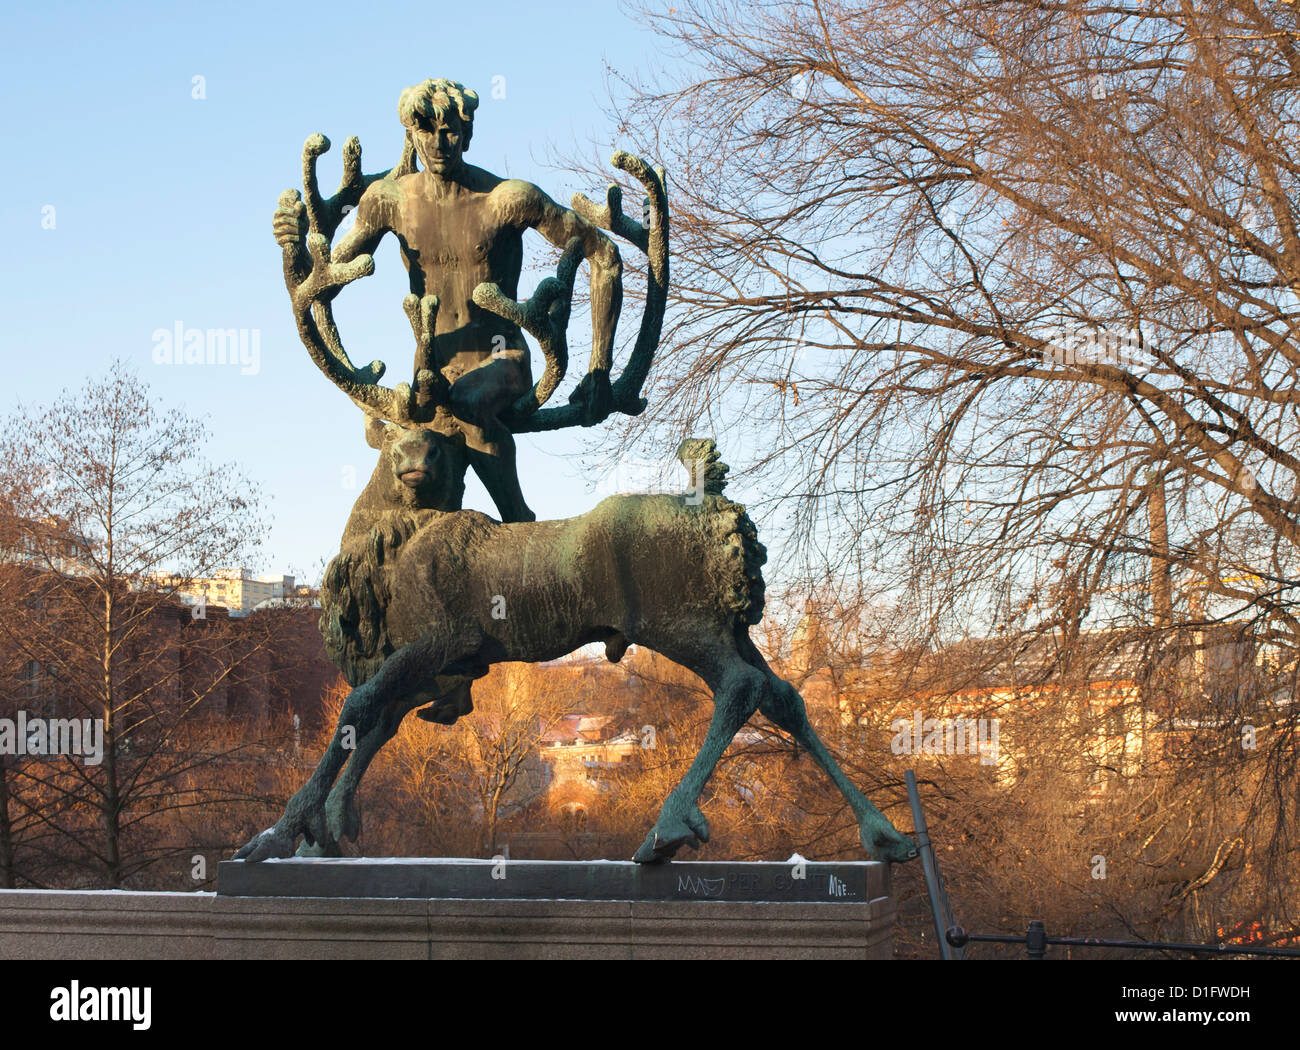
[(595, 395), (290, 222)]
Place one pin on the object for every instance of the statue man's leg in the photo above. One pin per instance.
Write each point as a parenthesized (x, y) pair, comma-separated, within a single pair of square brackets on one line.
[(491, 453), (477, 399)]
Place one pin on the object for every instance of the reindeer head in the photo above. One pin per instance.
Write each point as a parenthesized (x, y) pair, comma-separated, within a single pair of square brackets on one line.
[(418, 468)]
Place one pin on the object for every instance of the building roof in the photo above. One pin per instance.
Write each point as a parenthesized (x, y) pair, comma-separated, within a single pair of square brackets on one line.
[(579, 728)]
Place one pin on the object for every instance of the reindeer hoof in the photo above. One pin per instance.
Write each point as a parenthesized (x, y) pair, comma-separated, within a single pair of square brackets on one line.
[(885, 842), (318, 849), (342, 818), (273, 842), (670, 833), (300, 819)]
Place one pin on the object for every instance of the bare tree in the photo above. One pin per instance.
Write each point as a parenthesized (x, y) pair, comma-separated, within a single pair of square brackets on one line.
[(464, 782), (110, 509), (989, 265), (1006, 295)]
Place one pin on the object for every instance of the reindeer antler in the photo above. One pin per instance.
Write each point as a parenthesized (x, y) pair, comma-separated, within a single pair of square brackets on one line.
[(327, 277), (326, 214), (653, 241), (431, 385), (311, 292), (545, 315)]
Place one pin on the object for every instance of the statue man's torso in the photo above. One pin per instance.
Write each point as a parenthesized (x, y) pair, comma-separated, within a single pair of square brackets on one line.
[(452, 241)]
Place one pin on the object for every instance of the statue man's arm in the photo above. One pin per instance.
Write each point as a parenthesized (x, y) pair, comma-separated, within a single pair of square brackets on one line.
[(372, 222), (364, 237), (559, 225)]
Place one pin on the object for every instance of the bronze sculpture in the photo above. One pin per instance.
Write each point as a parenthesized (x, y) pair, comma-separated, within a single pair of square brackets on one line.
[(424, 596), (460, 227)]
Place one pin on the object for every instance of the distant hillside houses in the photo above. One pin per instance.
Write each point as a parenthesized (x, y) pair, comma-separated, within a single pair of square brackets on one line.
[(1121, 698)]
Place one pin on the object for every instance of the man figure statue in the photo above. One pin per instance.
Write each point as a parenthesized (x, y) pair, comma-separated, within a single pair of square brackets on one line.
[(458, 226)]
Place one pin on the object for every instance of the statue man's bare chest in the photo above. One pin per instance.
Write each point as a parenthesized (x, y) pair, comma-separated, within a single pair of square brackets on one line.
[(460, 234)]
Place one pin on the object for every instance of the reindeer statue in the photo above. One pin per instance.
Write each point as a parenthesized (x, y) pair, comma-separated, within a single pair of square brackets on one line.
[(424, 597)]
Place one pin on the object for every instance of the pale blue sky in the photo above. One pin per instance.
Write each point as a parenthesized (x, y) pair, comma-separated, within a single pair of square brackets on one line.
[(162, 206)]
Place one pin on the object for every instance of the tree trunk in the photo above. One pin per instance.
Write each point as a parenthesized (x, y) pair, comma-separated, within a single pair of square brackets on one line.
[(112, 801), (1162, 603), (6, 832)]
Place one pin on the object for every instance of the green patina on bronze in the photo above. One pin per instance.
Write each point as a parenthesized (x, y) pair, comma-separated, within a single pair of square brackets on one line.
[(622, 540), (424, 596)]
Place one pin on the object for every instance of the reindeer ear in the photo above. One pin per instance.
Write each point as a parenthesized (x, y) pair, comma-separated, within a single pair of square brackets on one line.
[(375, 433)]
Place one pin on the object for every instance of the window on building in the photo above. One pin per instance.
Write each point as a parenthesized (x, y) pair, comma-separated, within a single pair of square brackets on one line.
[(31, 679)]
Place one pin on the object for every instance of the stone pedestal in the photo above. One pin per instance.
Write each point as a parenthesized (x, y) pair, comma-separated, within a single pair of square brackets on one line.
[(423, 909)]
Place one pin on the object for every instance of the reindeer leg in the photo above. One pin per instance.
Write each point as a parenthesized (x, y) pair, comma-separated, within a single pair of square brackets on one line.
[(341, 816), (364, 707), (448, 707), (680, 821), (783, 705)]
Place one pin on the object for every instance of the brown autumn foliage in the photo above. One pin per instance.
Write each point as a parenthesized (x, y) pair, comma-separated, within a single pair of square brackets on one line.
[(1015, 285), (1013, 288)]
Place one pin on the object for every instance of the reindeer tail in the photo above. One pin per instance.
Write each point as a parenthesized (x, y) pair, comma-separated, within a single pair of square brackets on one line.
[(700, 458), (732, 525)]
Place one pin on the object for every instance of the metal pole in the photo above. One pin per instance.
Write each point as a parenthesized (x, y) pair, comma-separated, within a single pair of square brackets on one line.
[(927, 862), (1036, 940), (1036, 943), (958, 952)]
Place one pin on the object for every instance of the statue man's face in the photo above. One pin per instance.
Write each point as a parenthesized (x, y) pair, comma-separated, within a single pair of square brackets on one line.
[(439, 142)]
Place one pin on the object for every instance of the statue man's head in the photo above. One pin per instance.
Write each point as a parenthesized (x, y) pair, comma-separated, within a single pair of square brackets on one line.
[(439, 118)]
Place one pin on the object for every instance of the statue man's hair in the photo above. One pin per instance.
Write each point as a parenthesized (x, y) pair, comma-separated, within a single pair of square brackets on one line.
[(435, 98)]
